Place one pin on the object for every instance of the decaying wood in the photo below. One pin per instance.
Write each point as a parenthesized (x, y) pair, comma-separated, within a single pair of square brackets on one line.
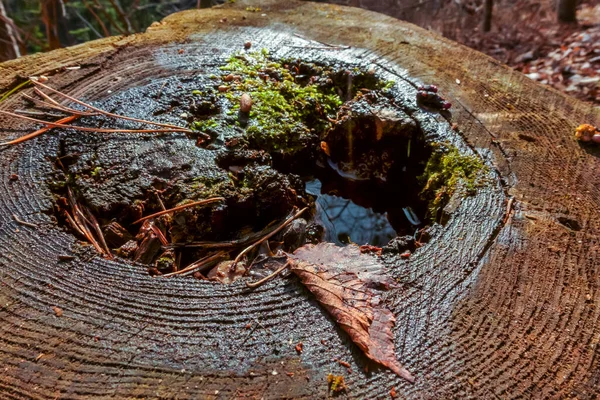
[(484, 310)]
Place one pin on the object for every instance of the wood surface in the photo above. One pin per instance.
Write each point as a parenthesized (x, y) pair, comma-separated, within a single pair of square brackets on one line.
[(502, 305)]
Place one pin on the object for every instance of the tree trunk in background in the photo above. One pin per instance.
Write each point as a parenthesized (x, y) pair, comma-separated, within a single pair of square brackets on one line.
[(9, 45), (487, 15), (566, 10), (53, 16)]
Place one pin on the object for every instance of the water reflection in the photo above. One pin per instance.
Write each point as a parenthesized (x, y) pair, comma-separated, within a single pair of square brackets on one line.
[(345, 221)]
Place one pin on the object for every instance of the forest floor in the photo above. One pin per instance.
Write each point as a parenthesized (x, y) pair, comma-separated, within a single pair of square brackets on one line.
[(524, 35), (566, 57)]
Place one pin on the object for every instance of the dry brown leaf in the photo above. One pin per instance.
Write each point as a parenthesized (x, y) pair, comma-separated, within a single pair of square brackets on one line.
[(347, 284)]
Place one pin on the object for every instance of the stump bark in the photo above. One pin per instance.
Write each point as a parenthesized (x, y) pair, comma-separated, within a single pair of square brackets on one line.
[(504, 306)]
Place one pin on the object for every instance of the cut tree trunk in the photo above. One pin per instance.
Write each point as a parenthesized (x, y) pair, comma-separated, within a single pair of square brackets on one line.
[(503, 304)]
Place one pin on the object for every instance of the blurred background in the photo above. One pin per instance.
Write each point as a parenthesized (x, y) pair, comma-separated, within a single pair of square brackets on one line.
[(554, 42)]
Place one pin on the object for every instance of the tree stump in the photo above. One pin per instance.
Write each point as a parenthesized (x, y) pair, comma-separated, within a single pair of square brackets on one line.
[(502, 304)]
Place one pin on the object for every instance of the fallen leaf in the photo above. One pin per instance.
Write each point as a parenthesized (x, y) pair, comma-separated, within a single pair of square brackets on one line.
[(348, 284)]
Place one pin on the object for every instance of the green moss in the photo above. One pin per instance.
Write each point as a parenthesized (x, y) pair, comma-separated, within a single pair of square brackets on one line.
[(284, 111), (165, 262), (204, 125), (336, 383), (96, 172), (388, 85), (448, 171)]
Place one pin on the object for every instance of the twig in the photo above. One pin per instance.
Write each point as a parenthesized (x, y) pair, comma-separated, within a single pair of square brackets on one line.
[(160, 202), (206, 245), (159, 234), (10, 92), (80, 221), (87, 23), (323, 43), (38, 114), (320, 48), (74, 224), (98, 19), (108, 17), (39, 131), (124, 18), (21, 222), (57, 105), (96, 226), (280, 227), (161, 89), (183, 207), (268, 277), (108, 114), (54, 105), (87, 129), (509, 206), (197, 264), (224, 245)]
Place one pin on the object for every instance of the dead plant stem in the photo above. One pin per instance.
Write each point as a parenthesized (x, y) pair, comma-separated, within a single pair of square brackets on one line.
[(183, 207), (108, 114), (266, 237), (87, 129), (21, 222), (268, 277), (39, 132), (198, 264)]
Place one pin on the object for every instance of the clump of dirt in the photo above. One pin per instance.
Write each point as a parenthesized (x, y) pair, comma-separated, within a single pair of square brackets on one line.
[(261, 128)]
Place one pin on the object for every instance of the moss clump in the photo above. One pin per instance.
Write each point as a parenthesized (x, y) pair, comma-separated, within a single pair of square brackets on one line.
[(96, 172), (287, 110), (336, 383), (165, 262), (204, 125), (447, 171)]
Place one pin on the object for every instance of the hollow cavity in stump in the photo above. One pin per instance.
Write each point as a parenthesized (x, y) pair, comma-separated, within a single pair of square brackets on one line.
[(284, 134)]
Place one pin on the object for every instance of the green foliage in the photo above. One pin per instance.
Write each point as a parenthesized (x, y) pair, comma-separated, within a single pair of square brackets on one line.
[(85, 20), (447, 171)]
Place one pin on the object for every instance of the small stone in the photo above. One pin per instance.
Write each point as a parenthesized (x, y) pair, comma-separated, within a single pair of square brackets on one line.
[(247, 45), (223, 88), (274, 372)]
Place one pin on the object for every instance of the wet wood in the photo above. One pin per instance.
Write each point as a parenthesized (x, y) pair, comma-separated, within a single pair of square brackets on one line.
[(509, 315)]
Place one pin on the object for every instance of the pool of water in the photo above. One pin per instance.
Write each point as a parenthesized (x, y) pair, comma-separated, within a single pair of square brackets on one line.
[(345, 221)]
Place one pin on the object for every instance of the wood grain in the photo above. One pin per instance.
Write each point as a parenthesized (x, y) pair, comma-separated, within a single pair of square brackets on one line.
[(487, 310)]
